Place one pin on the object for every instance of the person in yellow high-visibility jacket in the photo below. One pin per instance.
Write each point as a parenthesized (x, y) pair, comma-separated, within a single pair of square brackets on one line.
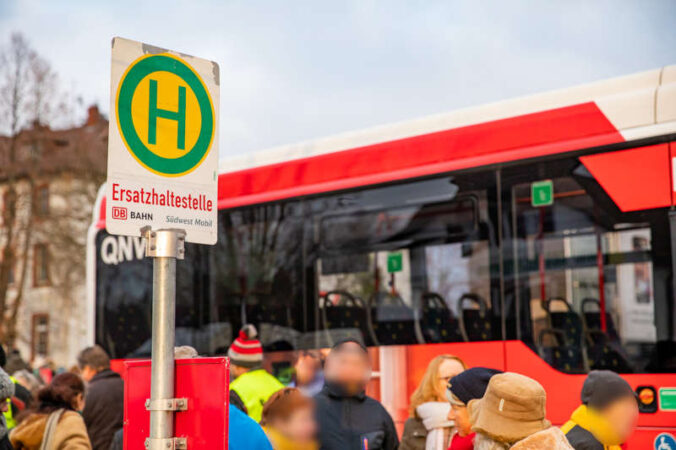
[(9, 414), (6, 401), (20, 400), (6, 394), (252, 384)]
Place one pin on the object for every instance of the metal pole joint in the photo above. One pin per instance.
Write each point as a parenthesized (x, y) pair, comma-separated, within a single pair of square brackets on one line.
[(165, 243), (166, 444), (170, 404)]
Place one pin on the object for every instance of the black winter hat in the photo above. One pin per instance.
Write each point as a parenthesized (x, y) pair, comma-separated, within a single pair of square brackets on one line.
[(602, 387), (342, 342), (471, 384)]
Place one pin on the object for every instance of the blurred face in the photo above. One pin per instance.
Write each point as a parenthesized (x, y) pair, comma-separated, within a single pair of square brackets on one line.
[(87, 373), (622, 416), (236, 371), (447, 370), (460, 416), (349, 367), (4, 405), (300, 427), (306, 368), (79, 403)]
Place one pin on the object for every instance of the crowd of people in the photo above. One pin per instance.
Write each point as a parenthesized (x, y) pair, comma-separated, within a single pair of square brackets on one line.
[(80, 409), (453, 408), (325, 407)]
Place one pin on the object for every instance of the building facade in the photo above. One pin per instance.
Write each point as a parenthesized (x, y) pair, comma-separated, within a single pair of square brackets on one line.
[(52, 177)]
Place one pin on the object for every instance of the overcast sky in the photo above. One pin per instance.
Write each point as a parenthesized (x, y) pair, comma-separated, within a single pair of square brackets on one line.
[(298, 70)]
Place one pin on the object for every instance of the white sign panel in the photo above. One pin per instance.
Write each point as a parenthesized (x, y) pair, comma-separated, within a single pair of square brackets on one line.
[(162, 142)]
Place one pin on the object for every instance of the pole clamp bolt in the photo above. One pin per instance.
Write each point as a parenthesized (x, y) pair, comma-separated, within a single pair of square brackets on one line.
[(166, 444), (167, 404)]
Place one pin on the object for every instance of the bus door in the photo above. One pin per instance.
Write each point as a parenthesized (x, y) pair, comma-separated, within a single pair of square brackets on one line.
[(588, 285)]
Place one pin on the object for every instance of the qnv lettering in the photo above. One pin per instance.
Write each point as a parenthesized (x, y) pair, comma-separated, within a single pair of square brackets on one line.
[(117, 249)]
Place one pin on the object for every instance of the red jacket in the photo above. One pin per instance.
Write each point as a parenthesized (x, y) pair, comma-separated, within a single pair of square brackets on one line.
[(462, 443)]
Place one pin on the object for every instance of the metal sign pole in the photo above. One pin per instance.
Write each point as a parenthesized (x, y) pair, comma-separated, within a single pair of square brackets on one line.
[(165, 247)]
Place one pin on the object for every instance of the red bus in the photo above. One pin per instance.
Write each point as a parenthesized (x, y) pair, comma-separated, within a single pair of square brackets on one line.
[(535, 235)]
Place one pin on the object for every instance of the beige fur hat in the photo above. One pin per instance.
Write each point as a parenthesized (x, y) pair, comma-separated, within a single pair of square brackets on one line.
[(512, 408)]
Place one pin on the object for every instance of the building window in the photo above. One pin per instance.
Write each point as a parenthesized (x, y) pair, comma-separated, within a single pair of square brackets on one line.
[(40, 265), (33, 150), (40, 335), (41, 198), (8, 204)]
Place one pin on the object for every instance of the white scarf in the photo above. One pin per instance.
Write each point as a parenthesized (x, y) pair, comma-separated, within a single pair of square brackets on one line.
[(434, 416)]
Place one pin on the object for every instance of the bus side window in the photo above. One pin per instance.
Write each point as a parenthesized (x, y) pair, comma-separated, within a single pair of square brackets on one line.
[(257, 271), (402, 265)]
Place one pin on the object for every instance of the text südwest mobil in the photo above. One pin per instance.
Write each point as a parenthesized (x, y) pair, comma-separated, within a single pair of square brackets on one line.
[(161, 198)]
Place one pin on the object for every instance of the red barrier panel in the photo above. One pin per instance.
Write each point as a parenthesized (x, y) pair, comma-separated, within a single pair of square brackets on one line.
[(203, 381)]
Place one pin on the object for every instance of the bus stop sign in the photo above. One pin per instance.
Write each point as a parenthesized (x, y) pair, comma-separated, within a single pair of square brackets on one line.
[(162, 142)]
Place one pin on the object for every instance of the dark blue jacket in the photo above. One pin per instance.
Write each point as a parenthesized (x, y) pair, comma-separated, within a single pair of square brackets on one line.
[(353, 422)]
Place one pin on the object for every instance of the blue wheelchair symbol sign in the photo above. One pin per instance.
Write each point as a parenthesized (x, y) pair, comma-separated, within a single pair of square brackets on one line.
[(665, 441)]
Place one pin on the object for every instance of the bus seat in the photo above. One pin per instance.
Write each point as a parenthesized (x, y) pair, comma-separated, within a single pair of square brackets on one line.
[(604, 354), (567, 328), (475, 324), (392, 320), (566, 358), (345, 316), (437, 322), (604, 348), (269, 311), (567, 321), (592, 320)]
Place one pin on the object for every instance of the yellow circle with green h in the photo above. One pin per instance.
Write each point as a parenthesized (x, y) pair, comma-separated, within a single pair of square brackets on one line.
[(165, 114)]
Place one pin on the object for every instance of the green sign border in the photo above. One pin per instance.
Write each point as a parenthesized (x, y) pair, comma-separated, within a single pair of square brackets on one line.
[(136, 72)]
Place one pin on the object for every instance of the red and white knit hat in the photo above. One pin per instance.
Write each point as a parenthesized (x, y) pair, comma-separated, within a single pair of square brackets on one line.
[(246, 350)]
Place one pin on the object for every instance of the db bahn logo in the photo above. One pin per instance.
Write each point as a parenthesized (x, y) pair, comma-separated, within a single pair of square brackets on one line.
[(165, 114), (119, 213)]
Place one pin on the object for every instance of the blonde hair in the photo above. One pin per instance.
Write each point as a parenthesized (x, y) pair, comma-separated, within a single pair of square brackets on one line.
[(427, 389)]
